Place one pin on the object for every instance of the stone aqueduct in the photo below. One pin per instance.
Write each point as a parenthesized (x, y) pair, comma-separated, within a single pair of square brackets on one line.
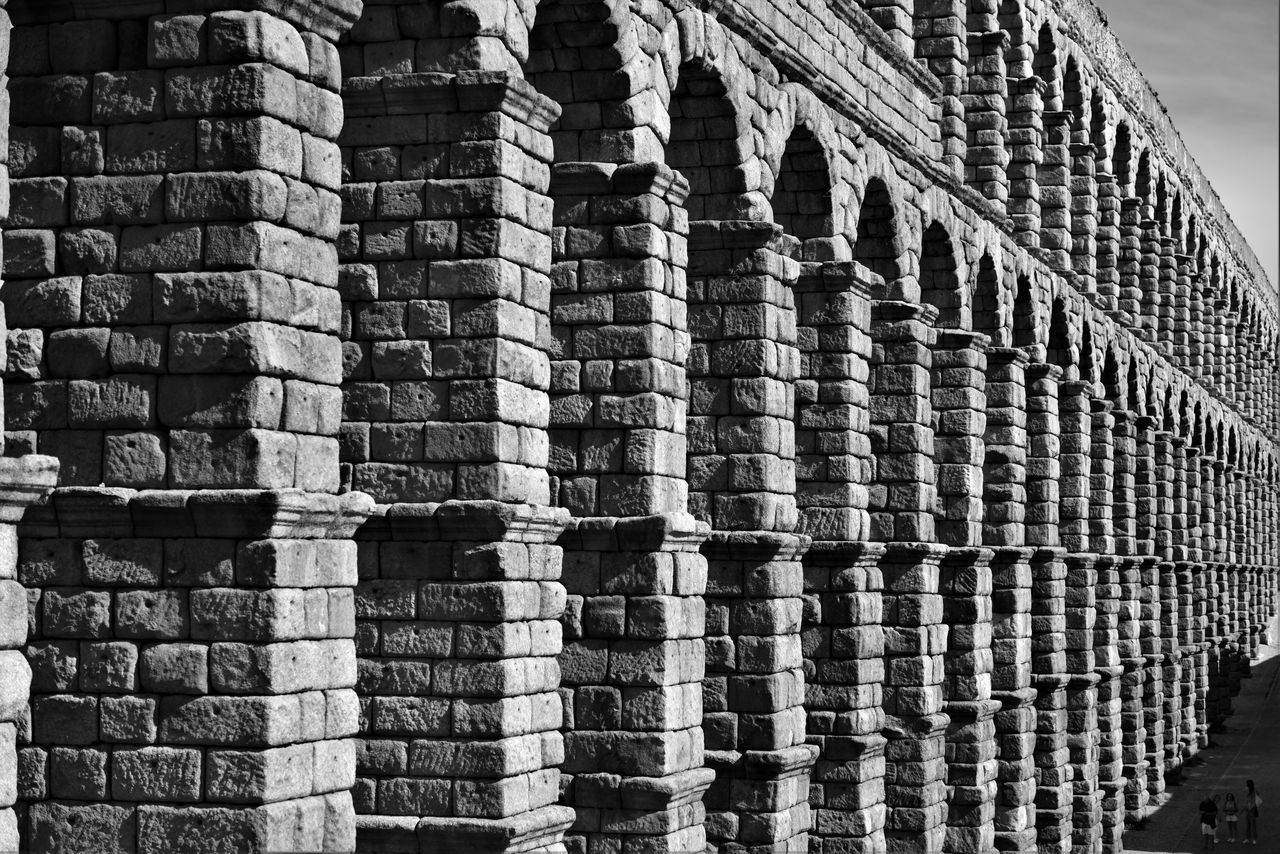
[(626, 428)]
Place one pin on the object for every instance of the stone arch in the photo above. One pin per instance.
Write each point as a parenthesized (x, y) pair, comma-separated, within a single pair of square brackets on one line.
[(801, 129), (1113, 375), (587, 58), (1025, 325), (1075, 96), (1122, 159), (881, 234), (1090, 365), (987, 305), (940, 281), (802, 196), (1059, 347), (1045, 66), (1137, 390), (702, 67), (1099, 134), (1144, 178), (707, 145)]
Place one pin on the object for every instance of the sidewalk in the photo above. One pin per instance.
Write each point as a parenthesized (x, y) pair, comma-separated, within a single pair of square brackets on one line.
[(1248, 749)]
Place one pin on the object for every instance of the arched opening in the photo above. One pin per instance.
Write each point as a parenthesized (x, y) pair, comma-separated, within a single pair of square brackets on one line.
[(1059, 345), (1098, 134), (1144, 186), (877, 243), (573, 59), (987, 314), (705, 145), (741, 373), (1088, 360), (802, 194), (1073, 96), (1121, 159), (1024, 313), (1045, 66), (1112, 382), (939, 279), (724, 317)]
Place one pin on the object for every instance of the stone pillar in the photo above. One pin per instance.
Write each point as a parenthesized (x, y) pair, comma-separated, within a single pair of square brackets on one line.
[(1084, 211), (1170, 321), (1083, 737), (1190, 325), (633, 572), (1053, 177), (1108, 241), (1129, 569), (971, 748), (1111, 779), (1026, 151), (1148, 324), (1254, 541), (1229, 355), (901, 504), (958, 399), (24, 480), (191, 598), (1129, 264), (1151, 608), (844, 644), (1220, 382), (1208, 689), (986, 152), (632, 674), (446, 276), (1050, 675), (1003, 530), (742, 371), (1171, 538), (843, 633), (1191, 628), (959, 404)]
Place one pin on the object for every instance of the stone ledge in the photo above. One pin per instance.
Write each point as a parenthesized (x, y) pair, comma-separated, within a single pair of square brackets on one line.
[(246, 514)]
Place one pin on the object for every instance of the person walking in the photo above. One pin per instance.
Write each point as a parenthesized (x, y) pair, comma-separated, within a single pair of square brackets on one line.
[(1252, 800), (1232, 812), (1208, 822)]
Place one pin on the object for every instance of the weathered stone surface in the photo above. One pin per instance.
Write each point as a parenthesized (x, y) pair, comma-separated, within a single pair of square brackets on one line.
[(837, 426)]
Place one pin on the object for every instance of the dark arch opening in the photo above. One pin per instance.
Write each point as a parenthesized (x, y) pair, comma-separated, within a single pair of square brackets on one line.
[(1163, 214), (876, 246), (1120, 161), (939, 280), (1087, 357), (1143, 186), (986, 298), (573, 60), (1059, 348), (1098, 133), (1024, 315), (1045, 66), (1111, 382), (1073, 99), (1137, 389), (704, 144), (802, 194)]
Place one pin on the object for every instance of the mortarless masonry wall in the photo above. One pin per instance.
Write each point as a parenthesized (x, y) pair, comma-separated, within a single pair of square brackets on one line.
[(584, 427)]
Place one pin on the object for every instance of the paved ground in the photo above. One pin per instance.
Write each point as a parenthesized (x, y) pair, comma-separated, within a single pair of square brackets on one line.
[(1249, 749)]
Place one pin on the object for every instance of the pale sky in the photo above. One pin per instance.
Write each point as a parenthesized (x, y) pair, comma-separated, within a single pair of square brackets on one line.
[(1216, 66)]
